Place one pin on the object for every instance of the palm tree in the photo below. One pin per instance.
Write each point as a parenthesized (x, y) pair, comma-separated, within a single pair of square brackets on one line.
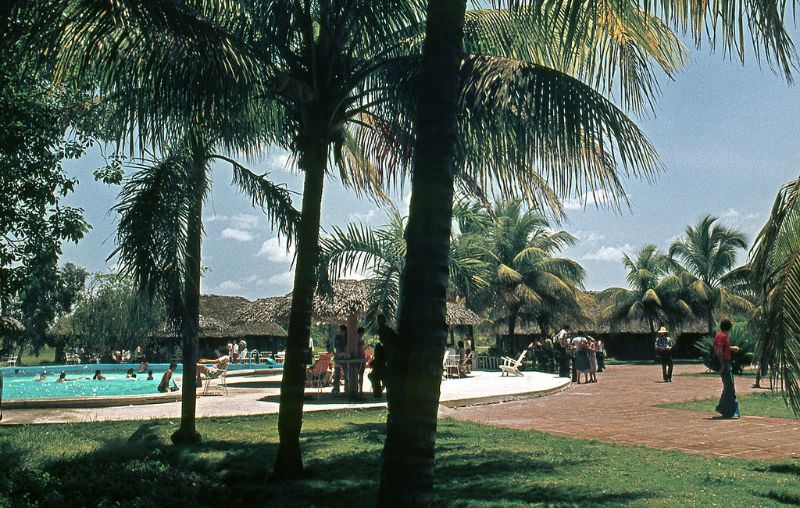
[(708, 253), (382, 252), (407, 475), (776, 271), (647, 299), (159, 239), (327, 91), (520, 248)]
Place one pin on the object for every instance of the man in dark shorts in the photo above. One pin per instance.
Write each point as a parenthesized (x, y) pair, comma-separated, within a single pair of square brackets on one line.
[(663, 347), (164, 385), (728, 406)]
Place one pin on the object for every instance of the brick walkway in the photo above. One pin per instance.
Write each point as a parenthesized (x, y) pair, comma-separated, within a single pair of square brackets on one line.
[(620, 408)]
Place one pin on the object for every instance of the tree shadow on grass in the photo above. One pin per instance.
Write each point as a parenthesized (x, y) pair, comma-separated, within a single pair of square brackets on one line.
[(343, 462)]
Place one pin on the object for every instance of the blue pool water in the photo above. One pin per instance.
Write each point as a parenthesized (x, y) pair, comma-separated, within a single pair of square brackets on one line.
[(21, 383)]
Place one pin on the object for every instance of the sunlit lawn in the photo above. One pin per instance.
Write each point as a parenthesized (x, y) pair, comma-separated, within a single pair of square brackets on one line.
[(756, 404), (47, 355), (132, 464)]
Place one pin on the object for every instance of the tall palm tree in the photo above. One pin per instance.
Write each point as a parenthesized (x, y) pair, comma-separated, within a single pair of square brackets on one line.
[(775, 261), (407, 475), (708, 253), (521, 250), (328, 91), (649, 297), (159, 239)]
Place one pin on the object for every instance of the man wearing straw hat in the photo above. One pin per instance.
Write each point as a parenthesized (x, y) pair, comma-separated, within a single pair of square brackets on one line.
[(664, 352)]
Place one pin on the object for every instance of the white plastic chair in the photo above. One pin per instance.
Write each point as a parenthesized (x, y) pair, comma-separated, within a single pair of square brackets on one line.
[(221, 374), (11, 361)]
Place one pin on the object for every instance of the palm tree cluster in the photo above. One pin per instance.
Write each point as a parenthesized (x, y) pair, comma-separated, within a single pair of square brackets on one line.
[(502, 263), (513, 100), (693, 279)]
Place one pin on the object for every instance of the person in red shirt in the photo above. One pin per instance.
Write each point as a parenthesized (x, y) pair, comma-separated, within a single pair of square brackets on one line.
[(728, 406)]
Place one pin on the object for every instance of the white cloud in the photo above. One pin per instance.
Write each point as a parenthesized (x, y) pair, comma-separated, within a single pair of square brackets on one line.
[(609, 254), (282, 279), (363, 217), (237, 234), (245, 221), (216, 218), (275, 250), (229, 285), (751, 216), (589, 236), (730, 213)]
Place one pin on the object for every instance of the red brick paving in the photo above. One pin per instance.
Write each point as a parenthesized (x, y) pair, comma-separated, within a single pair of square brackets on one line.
[(621, 408)]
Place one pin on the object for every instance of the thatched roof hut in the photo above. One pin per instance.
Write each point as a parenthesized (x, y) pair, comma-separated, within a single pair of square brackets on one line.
[(218, 320), (349, 300)]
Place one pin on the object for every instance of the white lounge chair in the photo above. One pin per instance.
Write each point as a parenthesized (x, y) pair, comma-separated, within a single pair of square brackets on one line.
[(11, 361), (510, 366), (73, 358)]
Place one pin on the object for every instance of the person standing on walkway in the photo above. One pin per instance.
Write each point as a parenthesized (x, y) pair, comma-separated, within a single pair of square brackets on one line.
[(601, 356), (728, 406), (664, 352)]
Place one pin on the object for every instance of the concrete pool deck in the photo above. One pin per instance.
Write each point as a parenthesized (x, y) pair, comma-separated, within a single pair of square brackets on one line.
[(254, 395)]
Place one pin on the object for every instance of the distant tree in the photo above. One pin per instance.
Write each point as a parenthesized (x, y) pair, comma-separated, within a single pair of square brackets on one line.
[(651, 297), (707, 253), (525, 271), (49, 294), (109, 315)]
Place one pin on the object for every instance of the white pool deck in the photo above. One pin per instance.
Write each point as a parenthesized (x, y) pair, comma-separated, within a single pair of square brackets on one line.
[(254, 395)]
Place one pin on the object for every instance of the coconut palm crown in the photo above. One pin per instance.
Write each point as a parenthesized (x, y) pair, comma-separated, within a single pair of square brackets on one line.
[(705, 257)]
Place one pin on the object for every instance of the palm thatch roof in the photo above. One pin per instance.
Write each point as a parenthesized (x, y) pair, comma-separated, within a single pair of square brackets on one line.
[(458, 315), (221, 308), (9, 324), (218, 320), (348, 298)]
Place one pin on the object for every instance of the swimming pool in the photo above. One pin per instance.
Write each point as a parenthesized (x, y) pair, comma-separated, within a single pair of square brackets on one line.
[(21, 382)]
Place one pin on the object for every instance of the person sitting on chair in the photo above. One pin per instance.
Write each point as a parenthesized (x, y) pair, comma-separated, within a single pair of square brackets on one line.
[(214, 368)]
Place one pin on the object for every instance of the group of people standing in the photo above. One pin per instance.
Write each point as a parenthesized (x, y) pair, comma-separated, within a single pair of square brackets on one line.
[(576, 355)]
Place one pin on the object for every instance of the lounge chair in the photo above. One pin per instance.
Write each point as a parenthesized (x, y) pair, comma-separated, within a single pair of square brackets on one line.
[(220, 373), (73, 358), (244, 356), (255, 356), (317, 376), (11, 361), (510, 366)]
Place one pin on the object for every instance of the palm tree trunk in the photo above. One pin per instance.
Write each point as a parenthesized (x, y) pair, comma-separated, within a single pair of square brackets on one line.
[(190, 320), (710, 321), (415, 375), (512, 323), (289, 462)]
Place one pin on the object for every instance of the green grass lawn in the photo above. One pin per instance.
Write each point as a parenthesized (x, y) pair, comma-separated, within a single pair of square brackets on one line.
[(132, 464), (755, 404), (46, 356)]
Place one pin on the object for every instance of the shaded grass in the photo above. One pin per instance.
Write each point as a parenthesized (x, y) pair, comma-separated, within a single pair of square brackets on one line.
[(132, 464), (754, 404), (47, 356)]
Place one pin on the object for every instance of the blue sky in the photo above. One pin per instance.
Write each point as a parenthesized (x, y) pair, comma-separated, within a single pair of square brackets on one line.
[(726, 135)]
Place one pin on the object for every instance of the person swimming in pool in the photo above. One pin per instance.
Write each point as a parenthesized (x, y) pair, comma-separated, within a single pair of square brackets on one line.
[(98, 376), (130, 374), (42, 376), (149, 375), (62, 378), (164, 385)]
